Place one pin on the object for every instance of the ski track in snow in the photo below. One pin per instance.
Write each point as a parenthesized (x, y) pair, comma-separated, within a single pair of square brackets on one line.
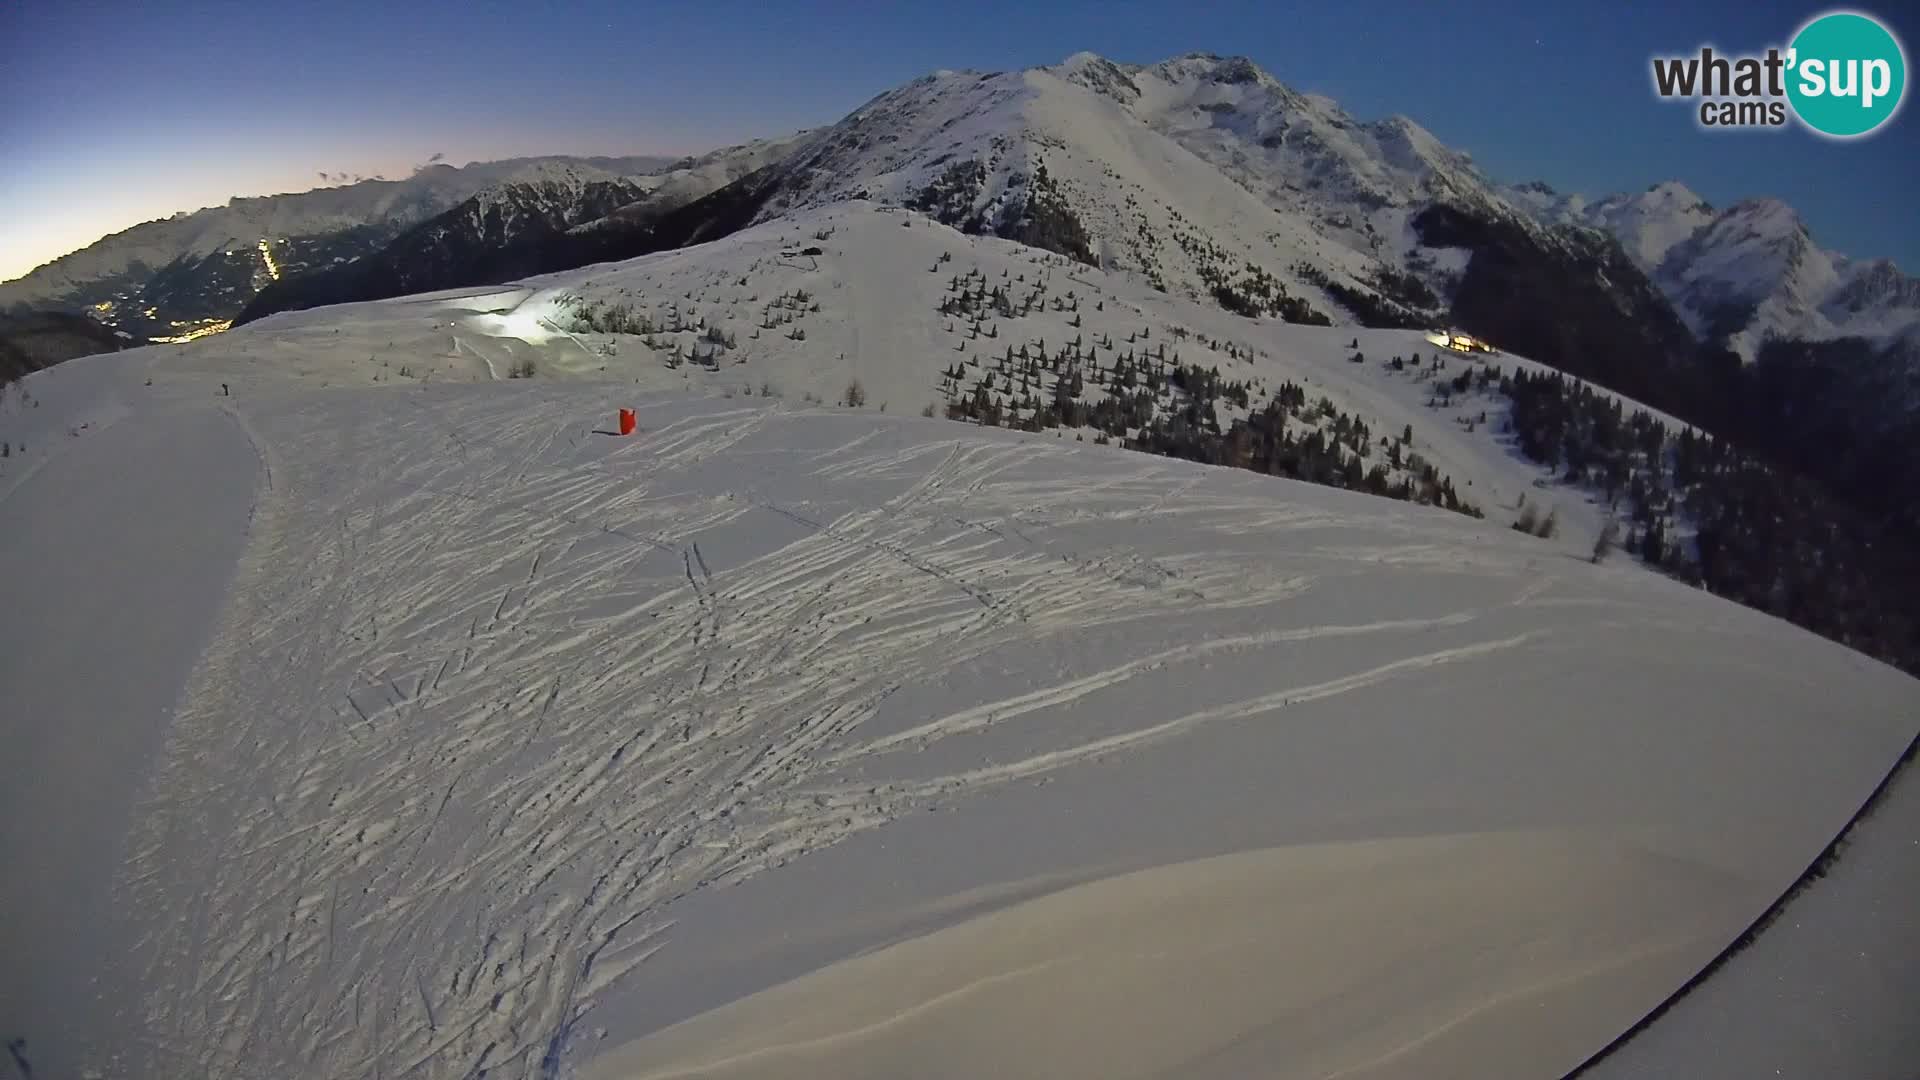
[(454, 754)]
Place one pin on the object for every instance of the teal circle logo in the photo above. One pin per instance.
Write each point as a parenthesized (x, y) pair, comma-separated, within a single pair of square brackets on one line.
[(1847, 74)]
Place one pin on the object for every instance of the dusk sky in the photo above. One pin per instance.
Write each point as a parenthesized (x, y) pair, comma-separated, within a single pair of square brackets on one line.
[(116, 113)]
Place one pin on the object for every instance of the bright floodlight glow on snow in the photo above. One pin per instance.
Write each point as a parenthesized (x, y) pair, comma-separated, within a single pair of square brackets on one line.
[(535, 321)]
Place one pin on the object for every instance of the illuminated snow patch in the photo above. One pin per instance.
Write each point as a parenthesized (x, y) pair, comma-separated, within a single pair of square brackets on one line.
[(536, 320)]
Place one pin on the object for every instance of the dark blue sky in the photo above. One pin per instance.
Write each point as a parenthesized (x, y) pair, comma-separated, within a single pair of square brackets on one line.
[(116, 112)]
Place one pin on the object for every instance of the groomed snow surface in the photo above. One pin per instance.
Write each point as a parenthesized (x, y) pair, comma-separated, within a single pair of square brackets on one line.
[(117, 553), (780, 740), (1828, 989)]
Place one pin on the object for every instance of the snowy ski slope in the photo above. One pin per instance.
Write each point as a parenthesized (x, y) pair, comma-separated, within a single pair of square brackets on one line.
[(518, 748)]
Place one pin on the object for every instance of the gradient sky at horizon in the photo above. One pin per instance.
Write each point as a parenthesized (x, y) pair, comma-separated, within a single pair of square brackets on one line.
[(114, 112)]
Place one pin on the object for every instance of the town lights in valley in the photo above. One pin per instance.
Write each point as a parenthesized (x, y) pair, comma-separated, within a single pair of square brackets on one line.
[(203, 330)]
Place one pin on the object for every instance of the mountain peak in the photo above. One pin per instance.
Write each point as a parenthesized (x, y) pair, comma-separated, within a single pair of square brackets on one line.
[(1084, 59), (1674, 191), (1649, 224), (1101, 75), (1213, 68)]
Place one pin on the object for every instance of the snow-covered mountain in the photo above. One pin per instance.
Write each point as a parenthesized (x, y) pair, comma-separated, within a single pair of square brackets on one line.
[(553, 216), (1036, 156), (1747, 273), (1297, 152), (691, 178), (500, 232), (192, 269), (1750, 272), (1647, 224), (1807, 356), (1207, 178), (1204, 175)]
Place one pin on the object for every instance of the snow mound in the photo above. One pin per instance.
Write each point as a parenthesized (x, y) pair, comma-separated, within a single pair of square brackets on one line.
[(1282, 928)]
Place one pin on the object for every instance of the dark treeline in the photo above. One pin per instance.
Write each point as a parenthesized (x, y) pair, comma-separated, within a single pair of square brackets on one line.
[(1714, 515), (1150, 400), (1842, 412), (1812, 518), (1841, 417), (1136, 391)]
